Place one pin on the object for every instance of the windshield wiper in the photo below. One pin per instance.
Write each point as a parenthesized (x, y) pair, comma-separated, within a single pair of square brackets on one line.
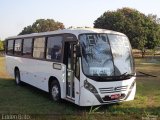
[(120, 77), (125, 75)]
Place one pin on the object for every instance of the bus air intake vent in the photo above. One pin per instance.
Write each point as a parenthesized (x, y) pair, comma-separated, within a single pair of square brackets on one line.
[(113, 89)]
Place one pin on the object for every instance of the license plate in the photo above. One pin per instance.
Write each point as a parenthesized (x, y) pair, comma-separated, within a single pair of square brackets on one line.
[(115, 96)]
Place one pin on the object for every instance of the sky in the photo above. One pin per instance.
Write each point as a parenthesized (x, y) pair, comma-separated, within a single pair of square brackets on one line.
[(17, 14)]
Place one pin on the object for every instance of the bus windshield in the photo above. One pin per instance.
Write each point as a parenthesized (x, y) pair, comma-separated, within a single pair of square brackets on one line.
[(106, 55)]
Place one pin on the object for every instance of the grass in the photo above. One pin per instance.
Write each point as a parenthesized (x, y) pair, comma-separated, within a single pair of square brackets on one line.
[(29, 100)]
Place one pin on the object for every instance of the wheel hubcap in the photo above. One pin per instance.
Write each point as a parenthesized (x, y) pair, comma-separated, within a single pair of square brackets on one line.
[(55, 92)]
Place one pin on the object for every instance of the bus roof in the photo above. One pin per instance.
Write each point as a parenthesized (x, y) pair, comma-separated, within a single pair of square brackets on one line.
[(75, 31)]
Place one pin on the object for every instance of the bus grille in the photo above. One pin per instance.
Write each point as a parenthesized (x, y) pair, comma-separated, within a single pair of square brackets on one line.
[(113, 89)]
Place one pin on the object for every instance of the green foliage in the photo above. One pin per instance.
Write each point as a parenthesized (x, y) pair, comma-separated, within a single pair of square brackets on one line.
[(143, 31), (42, 25), (1, 45), (93, 110), (153, 32)]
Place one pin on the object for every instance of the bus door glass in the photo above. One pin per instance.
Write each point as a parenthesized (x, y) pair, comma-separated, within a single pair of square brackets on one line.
[(69, 60)]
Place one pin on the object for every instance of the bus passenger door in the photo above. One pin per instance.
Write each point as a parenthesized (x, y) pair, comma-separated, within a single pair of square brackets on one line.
[(69, 60)]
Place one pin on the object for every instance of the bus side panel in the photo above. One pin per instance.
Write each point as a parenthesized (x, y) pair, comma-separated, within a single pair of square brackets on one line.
[(40, 72), (44, 70), (10, 65), (37, 72), (28, 70)]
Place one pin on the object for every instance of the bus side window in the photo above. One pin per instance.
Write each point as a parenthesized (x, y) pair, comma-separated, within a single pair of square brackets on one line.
[(18, 47), (54, 48), (39, 47), (27, 47), (10, 47)]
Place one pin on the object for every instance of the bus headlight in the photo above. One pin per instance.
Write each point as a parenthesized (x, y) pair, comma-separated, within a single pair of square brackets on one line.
[(89, 87)]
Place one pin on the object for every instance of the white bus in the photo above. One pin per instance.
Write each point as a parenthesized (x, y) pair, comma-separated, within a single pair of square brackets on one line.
[(84, 66)]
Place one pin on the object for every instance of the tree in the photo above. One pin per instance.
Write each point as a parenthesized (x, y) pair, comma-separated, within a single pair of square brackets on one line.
[(1, 45), (142, 30), (153, 38), (42, 25)]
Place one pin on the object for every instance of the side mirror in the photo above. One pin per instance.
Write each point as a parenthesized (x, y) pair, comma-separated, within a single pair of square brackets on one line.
[(78, 50)]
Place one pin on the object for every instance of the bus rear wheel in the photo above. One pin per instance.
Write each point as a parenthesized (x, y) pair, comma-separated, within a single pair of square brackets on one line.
[(55, 92), (17, 77)]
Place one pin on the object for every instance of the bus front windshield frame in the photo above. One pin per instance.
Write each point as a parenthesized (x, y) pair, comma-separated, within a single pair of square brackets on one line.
[(106, 56)]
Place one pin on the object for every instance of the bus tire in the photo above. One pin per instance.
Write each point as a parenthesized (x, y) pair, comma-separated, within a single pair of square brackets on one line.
[(17, 77), (55, 91)]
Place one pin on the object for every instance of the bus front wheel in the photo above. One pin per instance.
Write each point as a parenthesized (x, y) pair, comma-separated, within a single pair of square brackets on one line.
[(55, 92)]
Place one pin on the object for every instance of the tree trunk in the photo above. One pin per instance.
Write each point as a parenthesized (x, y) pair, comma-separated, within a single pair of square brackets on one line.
[(143, 53)]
